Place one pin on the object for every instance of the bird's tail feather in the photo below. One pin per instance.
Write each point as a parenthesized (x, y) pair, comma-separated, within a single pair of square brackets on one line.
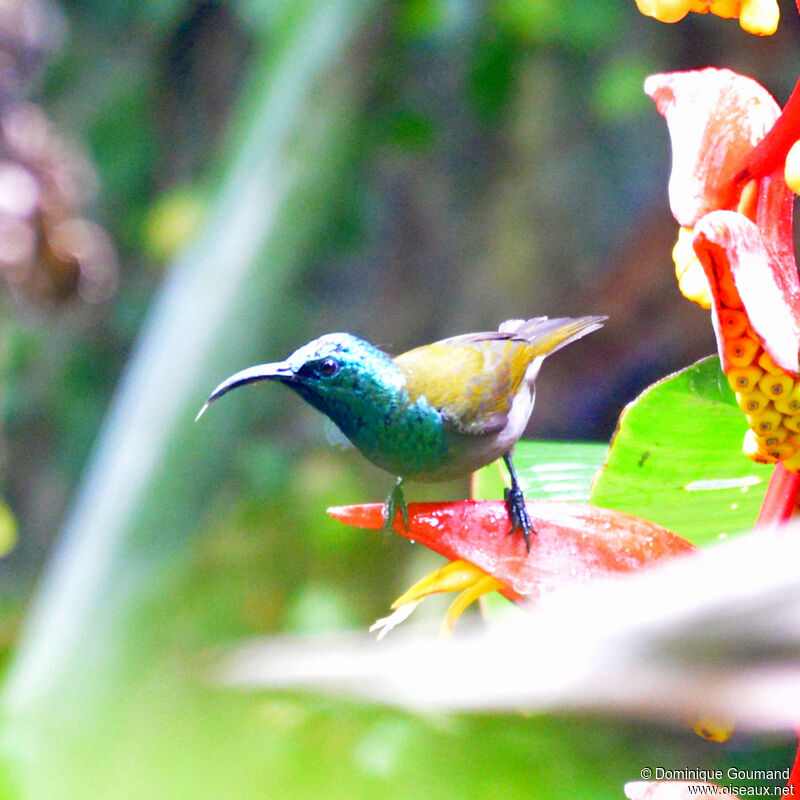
[(548, 335)]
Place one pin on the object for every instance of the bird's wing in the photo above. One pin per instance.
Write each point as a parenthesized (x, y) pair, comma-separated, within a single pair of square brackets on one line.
[(472, 379), (548, 335)]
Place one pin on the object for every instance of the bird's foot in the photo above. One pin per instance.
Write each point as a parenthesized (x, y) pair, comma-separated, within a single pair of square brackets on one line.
[(518, 514), (395, 502)]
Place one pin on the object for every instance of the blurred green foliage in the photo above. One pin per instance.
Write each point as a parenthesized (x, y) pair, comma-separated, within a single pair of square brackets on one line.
[(450, 163)]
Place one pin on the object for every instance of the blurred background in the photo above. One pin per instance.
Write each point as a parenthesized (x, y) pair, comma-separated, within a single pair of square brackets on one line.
[(187, 188)]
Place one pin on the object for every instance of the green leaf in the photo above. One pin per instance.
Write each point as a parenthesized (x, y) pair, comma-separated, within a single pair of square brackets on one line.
[(560, 471), (677, 459)]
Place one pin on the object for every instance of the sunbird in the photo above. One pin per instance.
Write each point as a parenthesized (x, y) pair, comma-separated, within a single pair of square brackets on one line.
[(435, 412)]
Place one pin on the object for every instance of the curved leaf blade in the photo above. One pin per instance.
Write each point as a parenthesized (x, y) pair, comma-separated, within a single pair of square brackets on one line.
[(676, 458), (558, 471)]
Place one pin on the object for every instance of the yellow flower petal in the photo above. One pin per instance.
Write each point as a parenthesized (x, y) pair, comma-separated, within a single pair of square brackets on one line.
[(485, 585), (452, 577), (472, 581)]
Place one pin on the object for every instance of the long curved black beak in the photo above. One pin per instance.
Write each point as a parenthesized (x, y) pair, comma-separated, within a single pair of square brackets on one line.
[(260, 372)]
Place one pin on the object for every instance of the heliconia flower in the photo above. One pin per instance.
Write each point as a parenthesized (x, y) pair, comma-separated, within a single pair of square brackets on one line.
[(715, 118), (573, 542), (760, 17), (740, 231), (756, 316)]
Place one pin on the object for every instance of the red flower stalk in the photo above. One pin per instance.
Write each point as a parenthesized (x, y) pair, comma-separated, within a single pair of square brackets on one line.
[(770, 153)]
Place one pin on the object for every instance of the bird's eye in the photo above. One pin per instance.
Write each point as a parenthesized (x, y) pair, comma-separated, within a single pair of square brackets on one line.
[(328, 367)]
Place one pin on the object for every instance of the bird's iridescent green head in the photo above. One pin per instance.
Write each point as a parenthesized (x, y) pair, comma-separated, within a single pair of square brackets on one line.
[(338, 373)]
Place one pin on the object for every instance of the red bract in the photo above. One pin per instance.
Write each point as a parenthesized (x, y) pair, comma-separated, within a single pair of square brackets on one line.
[(572, 541), (715, 118), (734, 252), (739, 223)]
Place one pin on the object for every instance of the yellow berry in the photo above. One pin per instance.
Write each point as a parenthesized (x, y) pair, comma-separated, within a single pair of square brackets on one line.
[(759, 17), (792, 463), (791, 172), (733, 323), (792, 423), (776, 386), (728, 9), (665, 10), (764, 422), (741, 352), (776, 437), (768, 365), (778, 451), (744, 379), (752, 401), (789, 405), (692, 280), (753, 335), (752, 449)]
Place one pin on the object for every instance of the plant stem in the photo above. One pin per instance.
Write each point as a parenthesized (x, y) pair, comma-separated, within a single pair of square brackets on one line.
[(781, 497), (770, 153), (794, 776)]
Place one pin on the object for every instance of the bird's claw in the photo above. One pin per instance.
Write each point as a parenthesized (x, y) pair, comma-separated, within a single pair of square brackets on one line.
[(518, 514), (394, 502)]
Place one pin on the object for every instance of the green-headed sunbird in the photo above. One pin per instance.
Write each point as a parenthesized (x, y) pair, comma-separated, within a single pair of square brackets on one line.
[(435, 412)]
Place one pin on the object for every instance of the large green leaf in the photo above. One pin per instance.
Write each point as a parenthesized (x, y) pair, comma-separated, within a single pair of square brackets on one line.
[(547, 471), (676, 458)]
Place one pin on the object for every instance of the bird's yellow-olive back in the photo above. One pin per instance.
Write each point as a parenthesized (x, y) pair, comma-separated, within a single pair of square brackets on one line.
[(470, 382), (473, 379)]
